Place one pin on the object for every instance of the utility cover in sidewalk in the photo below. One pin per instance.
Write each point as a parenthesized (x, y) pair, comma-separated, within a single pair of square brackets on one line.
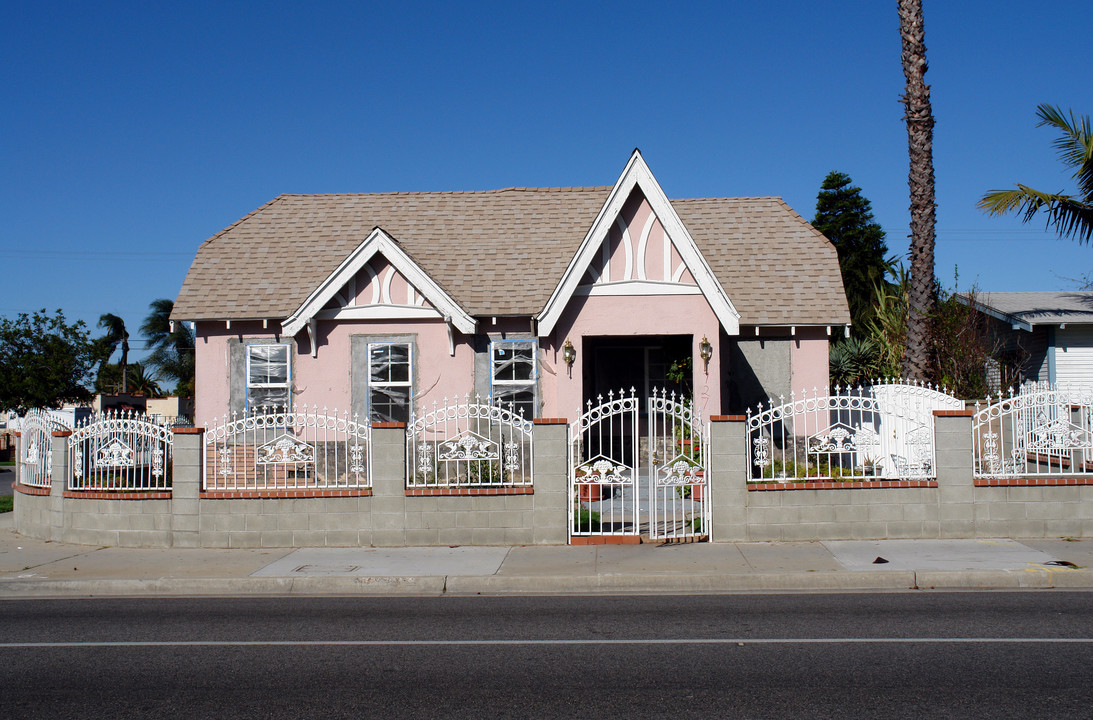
[(1000, 554)]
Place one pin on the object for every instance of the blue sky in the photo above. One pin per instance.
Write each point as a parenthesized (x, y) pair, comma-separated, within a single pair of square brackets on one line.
[(132, 132)]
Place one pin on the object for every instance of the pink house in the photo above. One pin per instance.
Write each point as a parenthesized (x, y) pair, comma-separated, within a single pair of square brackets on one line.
[(541, 297)]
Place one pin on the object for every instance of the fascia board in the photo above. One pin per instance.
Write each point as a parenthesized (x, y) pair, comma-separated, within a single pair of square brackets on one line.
[(637, 174), (380, 242)]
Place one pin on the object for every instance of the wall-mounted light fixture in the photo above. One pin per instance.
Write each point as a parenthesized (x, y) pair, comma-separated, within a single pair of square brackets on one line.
[(705, 349), (569, 354)]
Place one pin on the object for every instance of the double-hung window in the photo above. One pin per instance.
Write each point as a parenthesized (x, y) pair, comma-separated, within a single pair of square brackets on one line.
[(269, 376), (513, 377), (390, 381)]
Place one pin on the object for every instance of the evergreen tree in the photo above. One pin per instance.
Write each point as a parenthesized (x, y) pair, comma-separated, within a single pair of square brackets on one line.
[(845, 217)]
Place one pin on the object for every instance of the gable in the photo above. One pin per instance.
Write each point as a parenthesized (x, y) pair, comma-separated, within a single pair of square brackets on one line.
[(378, 291), (636, 181), (638, 257), (382, 248)]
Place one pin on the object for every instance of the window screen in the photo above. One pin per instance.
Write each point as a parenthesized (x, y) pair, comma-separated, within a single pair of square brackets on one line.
[(390, 382), (268, 376), (513, 380)]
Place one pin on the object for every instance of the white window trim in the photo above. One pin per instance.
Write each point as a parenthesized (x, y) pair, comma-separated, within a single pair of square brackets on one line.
[(409, 384), (533, 380), (286, 385)]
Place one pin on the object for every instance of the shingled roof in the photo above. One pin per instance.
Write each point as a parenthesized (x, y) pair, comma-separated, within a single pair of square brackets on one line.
[(1039, 308), (502, 252)]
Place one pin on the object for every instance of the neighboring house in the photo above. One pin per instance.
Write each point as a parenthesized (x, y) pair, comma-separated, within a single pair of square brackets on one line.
[(1048, 335), (384, 303)]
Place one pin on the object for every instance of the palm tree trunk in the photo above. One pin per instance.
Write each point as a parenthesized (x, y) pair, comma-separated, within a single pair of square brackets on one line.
[(920, 180), (124, 363)]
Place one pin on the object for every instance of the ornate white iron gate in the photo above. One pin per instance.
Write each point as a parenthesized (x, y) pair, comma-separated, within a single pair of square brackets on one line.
[(635, 473), (35, 431)]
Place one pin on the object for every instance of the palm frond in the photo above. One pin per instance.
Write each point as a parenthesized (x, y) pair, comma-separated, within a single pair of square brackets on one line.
[(1075, 144)]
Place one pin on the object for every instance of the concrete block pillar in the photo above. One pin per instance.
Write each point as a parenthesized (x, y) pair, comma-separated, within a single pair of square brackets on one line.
[(18, 458), (187, 465), (389, 484), (550, 468), (58, 479), (955, 481), (728, 478)]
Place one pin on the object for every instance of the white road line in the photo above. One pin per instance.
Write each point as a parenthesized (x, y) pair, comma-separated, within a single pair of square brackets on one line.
[(457, 643)]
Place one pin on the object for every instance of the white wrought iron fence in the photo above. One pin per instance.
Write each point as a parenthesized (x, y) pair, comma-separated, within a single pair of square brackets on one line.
[(274, 448), (120, 451), (35, 435), (1042, 430), (469, 444), (678, 463), (884, 431), (604, 467)]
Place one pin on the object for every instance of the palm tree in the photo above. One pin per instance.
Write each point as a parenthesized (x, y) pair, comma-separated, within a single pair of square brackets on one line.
[(1072, 215), (172, 350), (115, 334), (139, 382), (142, 383), (920, 179)]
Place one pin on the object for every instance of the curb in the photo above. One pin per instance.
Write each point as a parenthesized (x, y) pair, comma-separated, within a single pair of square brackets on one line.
[(607, 584)]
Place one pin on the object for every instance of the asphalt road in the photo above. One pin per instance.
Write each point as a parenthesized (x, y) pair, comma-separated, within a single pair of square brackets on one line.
[(885, 655), (7, 479)]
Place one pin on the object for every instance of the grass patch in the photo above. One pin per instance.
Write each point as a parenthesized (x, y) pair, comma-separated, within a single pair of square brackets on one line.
[(7, 463), (6, 503)]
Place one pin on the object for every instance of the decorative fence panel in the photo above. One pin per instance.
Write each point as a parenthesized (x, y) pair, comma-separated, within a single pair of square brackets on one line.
[(279, 449), (885, 431), (35, 434), (679, 467), (604, 468), (1042, 430), (120, 452), (469, 444)]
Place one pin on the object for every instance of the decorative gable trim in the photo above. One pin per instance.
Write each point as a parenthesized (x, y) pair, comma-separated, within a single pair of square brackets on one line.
[(637, 174), (378, 242)]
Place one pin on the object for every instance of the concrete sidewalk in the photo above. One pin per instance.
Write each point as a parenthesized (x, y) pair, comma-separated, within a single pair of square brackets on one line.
[(33, 568)]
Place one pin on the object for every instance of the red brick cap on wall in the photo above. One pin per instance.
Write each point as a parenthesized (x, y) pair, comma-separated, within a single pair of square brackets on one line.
[(954, 413), (188, 431)]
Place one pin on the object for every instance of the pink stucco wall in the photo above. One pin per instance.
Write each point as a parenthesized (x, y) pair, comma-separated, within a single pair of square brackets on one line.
[(592, 316), (808, 359), (325, 380)]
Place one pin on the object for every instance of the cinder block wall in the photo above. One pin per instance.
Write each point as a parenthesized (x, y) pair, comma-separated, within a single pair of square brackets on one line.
[(386, 517), (953, 506)]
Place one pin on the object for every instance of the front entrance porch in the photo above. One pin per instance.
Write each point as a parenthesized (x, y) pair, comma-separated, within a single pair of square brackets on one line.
[(641, 363)]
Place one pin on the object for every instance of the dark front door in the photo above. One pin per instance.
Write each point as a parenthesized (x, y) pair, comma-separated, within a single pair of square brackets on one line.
[(642, 362)]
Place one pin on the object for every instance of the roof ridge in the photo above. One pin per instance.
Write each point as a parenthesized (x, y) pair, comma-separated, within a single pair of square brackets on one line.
[(775, 198), (590, 188)]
